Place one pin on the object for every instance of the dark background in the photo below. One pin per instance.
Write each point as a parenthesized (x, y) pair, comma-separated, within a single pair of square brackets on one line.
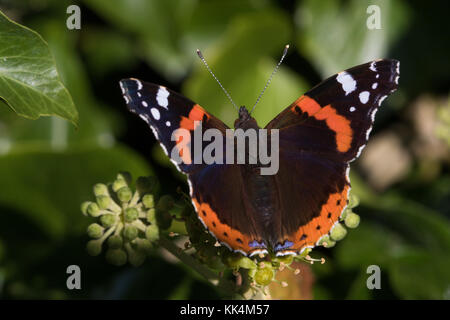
[(402, 178)]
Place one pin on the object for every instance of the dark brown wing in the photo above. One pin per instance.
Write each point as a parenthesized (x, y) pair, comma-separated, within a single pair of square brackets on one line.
[(319, 134)]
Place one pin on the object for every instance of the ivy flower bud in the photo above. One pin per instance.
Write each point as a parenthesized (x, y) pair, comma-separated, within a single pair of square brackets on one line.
[(126, 176), (130, 232), (93, 209), (101, 189), (117, 257), (144, 245), (115, 242), (326, 242), (136, 257), (264, 276), (151, 216), (84, 207), (148, 201), (108, 220), (353, 201), (152, 233), (124, 194), (338, 232), (94, 247), (95, 231), (131, 214), (237, 261), (118, 184), (103, 201), (352, 220)]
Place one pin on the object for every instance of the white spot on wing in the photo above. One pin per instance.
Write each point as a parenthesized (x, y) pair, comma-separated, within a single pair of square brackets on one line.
[(168, 123), (304, 248), (286, 253), (155, 132), (377, 76), (396, 79), (139, 84), (375, 85), (145, 104), (347, 81), (122, 88), (368, 132), (191, 191), (262, 251), (372, 66), (381, 100), (161, 97), (372, 116), (364, 96), (155, 113), (143, 117), (360, 150), (352, 109), (164, 149)]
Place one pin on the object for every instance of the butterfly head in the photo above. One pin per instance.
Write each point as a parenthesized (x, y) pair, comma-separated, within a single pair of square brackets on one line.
[(245, 120)]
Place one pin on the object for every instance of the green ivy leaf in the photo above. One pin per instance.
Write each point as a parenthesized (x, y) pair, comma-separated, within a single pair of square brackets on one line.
[(29, 81)]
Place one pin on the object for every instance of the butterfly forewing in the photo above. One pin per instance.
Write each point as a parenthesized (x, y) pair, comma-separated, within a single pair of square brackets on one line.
[(336, 116), (165, 111)]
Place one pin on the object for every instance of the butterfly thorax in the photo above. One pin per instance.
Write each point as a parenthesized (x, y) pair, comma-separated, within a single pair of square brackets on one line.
[(259, 191), (245, 120)]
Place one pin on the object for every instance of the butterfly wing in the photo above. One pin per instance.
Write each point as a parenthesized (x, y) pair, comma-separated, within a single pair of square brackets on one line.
[(216, 189), (319, 134), (165, 111)]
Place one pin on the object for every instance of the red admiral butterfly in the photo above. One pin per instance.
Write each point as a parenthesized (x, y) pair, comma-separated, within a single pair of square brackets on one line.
[(319, 135)]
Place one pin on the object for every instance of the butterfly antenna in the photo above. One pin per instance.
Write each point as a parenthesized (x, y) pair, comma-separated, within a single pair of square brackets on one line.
[(271, 76), (200, 55)]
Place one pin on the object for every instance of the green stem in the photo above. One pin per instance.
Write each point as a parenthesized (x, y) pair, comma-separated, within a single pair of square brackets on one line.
[(222, 284)]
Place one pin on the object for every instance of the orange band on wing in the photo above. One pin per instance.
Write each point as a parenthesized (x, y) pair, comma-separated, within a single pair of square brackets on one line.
[(183, 138), (338, 123), (190, 123), (224, 233), (309, 234), (306, 104), (197, 113)]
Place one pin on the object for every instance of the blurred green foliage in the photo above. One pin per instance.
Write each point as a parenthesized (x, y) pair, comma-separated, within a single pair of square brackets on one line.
[(48, 167)]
